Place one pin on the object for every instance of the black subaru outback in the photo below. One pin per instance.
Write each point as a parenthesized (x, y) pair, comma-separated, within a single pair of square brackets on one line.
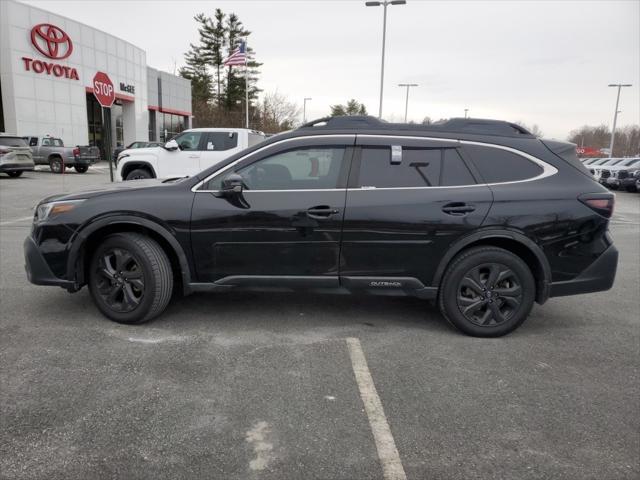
[(478, 215)]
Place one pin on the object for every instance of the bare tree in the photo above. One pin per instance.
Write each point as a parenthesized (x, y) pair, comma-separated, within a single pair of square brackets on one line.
[(277, 113), (534, 129)]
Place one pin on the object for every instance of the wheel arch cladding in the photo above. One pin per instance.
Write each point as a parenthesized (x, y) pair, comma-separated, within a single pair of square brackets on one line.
[(89, 238), (513, 242), (135, 165)]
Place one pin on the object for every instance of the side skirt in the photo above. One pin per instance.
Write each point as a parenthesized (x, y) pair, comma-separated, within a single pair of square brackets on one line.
[(386, 286)]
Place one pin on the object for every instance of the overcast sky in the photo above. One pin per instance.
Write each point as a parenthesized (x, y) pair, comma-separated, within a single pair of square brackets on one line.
[(545, 62)]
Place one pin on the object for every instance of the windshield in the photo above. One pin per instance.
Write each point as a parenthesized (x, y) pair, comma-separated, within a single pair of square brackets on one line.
[(12, 142)]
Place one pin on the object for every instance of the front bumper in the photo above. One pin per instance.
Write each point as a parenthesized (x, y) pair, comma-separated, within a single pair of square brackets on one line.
[(597, 277), (38, 271)]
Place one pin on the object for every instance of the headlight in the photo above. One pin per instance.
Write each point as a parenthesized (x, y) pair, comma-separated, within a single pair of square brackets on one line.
[(50, 209)]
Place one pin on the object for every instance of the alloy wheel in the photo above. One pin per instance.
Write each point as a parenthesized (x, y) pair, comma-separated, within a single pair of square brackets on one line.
[(489, 294), (120, 280)]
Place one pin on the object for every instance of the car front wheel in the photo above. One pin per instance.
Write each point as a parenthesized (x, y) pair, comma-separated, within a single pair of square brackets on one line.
[(81, 168), (487, 292), (130, 280), (138, 174), (14, 174)]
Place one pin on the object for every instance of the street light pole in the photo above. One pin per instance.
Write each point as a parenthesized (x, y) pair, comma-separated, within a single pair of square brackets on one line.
[(406, 103), (385, 4), (304, 109), (466, 110), (615, 114)]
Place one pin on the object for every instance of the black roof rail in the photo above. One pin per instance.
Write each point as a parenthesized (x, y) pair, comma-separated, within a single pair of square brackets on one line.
[(346, 121), (458, 125)]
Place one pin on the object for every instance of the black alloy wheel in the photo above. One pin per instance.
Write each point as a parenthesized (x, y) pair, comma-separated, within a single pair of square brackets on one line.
[(489, 294), (139, 174), (81, 168), (14, 174), (487, 291), (121, 283), (130, 278)]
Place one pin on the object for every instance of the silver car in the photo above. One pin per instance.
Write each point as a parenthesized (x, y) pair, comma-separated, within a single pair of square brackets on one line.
[(15, 155)]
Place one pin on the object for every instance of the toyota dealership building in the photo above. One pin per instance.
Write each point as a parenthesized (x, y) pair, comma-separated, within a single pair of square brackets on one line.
[(47, 64)]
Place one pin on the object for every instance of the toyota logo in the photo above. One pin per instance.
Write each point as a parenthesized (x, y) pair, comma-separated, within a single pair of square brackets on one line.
[(51, 41)]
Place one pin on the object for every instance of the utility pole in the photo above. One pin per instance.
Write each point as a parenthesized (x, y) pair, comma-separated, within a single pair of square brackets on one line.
[(615, 114), (385, 4), (406, 102), (466, 110), (304, 109)]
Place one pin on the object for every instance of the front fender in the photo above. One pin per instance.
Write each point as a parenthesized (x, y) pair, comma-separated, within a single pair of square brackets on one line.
[(75, 267)]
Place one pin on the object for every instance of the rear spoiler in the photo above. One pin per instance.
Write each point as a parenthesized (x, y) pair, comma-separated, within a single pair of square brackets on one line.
[(567, 152)]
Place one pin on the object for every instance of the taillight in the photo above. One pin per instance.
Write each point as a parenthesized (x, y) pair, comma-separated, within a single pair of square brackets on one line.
[(601, 203), (76, 152)]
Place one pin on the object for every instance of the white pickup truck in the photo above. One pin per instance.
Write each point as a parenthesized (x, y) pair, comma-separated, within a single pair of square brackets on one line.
[(186, 154)]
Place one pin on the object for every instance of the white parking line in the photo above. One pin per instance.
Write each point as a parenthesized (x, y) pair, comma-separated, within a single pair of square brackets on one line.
[(17, 220), (392, 468)]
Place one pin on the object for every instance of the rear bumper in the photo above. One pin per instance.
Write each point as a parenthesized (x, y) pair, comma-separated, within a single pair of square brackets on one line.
[(597, 277), (38, 271), (16, 167)]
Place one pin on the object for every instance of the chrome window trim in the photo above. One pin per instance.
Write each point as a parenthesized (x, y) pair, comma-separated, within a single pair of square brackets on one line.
[(222, 170), (547, 170)]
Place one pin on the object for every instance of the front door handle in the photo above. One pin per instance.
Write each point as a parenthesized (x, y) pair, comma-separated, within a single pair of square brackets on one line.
[(322, 211), (458, 208)]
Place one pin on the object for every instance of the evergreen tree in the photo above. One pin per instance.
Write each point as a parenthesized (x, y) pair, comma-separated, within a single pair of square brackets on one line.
[(352, 107)]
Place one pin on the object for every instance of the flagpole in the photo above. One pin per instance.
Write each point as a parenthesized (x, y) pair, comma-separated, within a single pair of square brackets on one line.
[(246, 83)]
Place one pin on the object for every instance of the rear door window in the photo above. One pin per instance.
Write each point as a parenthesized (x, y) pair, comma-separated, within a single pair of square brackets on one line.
[(417, 167), (498, 166), (220, 141)]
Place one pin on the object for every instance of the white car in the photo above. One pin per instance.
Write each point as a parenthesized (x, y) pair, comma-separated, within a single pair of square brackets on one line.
[(185, 155)]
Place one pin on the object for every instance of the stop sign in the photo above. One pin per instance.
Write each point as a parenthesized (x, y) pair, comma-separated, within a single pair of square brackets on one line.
[(103, 89)]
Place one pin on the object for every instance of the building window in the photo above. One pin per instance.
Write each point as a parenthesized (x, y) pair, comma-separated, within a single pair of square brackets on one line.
[(152, 125), (171, 125)]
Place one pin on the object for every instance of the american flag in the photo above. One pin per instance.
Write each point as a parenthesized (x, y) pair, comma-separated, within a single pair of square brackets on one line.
[(238, 57)]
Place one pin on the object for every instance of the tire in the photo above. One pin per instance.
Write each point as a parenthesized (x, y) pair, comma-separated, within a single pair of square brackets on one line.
[(139, 174), (631, 189), (56, 165), (14, 174), (467, 285), (130, 278), (81, 168)]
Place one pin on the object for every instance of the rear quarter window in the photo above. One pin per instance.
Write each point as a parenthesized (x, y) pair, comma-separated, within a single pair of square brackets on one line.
[(496, 165)]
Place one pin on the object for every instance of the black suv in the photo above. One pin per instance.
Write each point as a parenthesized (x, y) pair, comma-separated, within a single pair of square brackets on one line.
[(478, 215)]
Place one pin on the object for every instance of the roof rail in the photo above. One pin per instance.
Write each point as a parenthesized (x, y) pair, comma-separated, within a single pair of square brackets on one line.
[(458, 125), (346, 121)]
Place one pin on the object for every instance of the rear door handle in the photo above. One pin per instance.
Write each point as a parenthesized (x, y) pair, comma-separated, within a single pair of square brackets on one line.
[(458, 208), (322, 211)]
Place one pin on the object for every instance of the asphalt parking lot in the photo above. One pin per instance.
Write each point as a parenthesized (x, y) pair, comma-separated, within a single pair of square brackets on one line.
[(278, 386)]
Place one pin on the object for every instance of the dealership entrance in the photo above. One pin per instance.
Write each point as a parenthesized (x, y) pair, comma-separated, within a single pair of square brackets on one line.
[(115, 115)]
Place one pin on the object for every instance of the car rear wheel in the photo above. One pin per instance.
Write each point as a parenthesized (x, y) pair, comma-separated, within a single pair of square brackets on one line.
[(138, 174), (81, 168), (14, 174), (56, 165), (487, 292), (631, 189), (130, 278)]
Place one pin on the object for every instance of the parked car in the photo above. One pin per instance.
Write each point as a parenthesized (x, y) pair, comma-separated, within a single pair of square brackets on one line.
[(596, 168), (637, 177), (187, 154), (51, 151), (589, 160), (133, 145), (611, 176), (628, 180), (479, 216), (15, 155)]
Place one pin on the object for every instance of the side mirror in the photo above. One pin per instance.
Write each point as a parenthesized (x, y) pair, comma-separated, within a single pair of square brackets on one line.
[(232, 184), (171, 145)]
